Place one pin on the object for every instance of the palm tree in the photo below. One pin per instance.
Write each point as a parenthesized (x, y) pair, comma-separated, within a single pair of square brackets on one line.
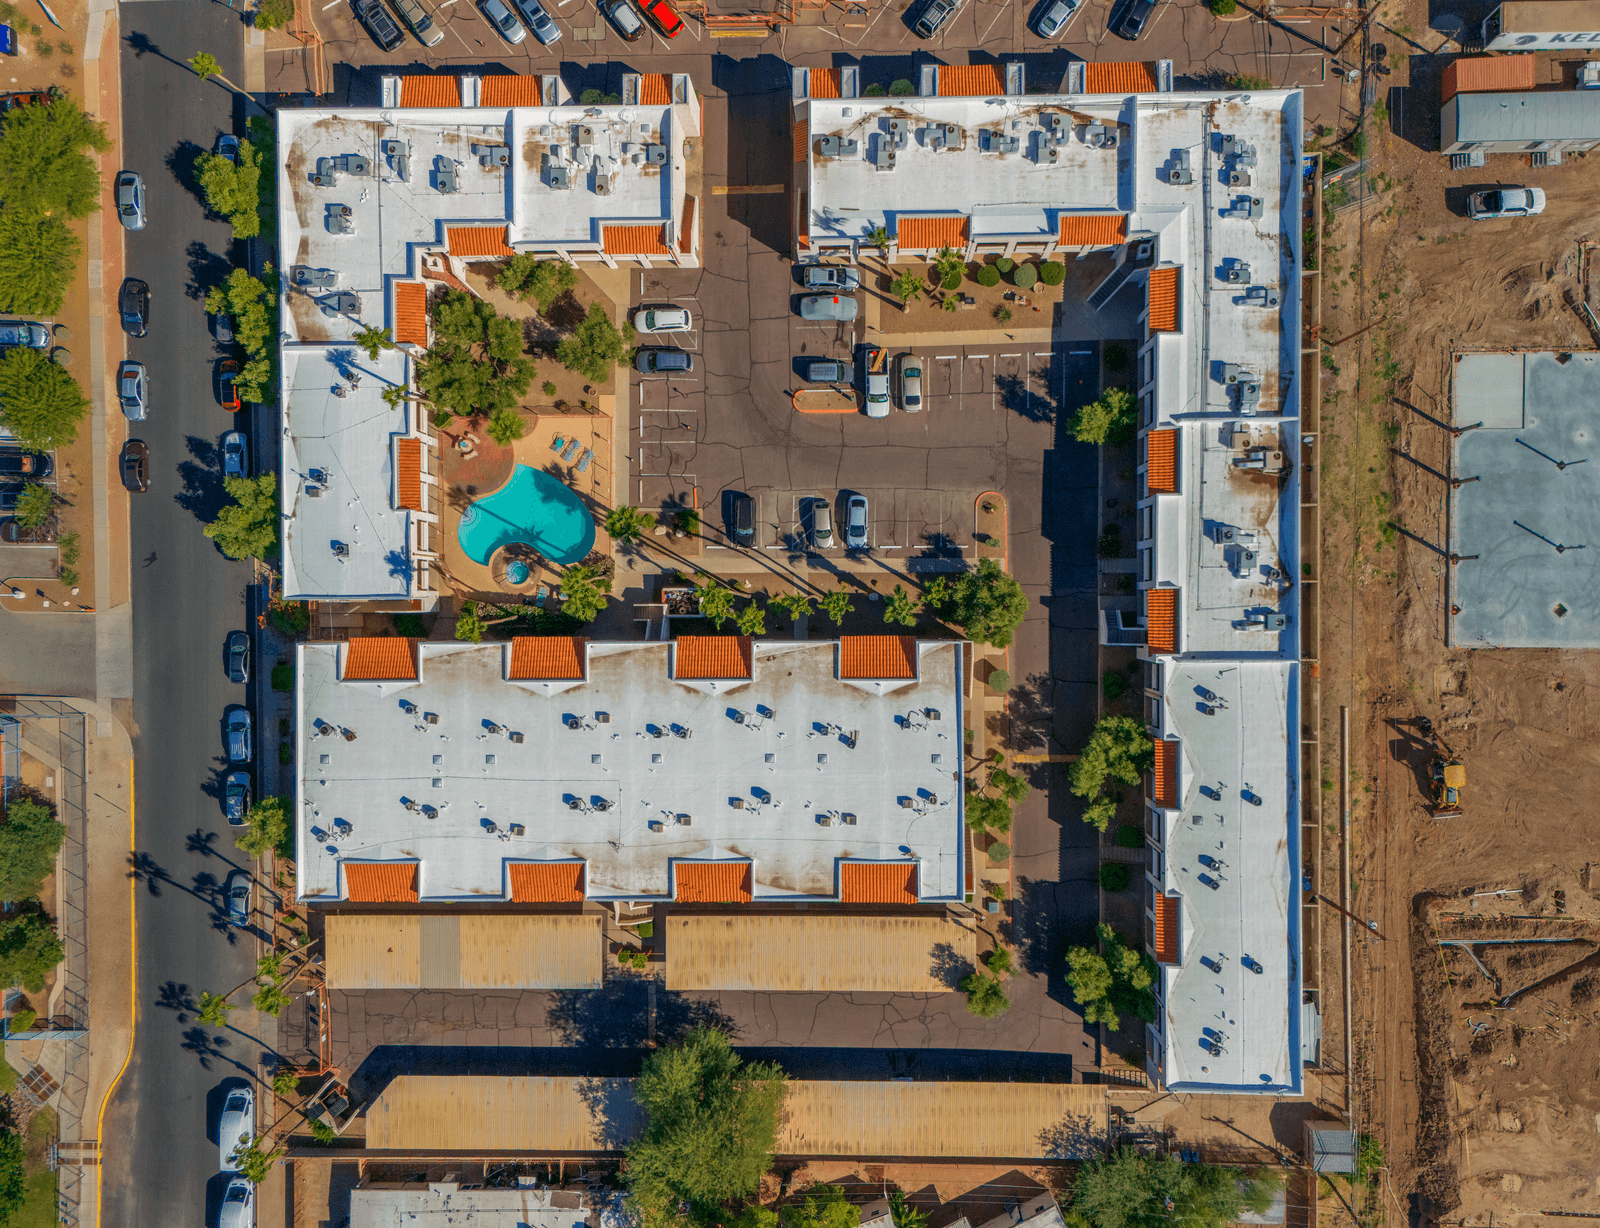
[(205, 67)]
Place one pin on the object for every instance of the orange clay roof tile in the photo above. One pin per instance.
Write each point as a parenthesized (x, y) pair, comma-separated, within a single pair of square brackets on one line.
[(1092, 229), (411, 313), (1134, 77), (878, 882), (802, 139), (824, 82), (546, 882), (510, 91), (380, 882), (408, 473), (477, 241), (712, 656), (1161, 471), (556, 657), (440, 91), (918, 233), (713, 882), (379, 659), (1166, 929), (877, 656), (1161, 619), (1164, 773), (971, 80), (655, 90), (648, 240), (1163, 300)]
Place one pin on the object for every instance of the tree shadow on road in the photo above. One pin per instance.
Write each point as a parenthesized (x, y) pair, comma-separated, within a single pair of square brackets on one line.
[(948, 967), (203, 494), (207, 271)]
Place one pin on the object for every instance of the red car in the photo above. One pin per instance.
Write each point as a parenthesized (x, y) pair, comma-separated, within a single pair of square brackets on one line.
[(228, 385), (662, 17)]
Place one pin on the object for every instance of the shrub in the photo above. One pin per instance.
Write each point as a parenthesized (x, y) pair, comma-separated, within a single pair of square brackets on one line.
[(1005, 264), (34, 505), (1129, 836), (1112, 684), (1248, 81), (987, 275), (285, 754), (902, 89), (999, 681), (29, 841), (290, 618), (873, 91), (1110, 544), (1114, 876), (986, 997), (1024, 277), (1112, 420), (950, 281), (985, 813), (283, 676), (1052, 272), (549, 388), (29, 948), (272, 14), (1223, 8), (322, 1134), (1002, 313), (469, 626), (23, 1021), (999, 852)]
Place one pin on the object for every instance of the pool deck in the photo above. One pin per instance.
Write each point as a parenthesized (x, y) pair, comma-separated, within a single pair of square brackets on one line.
[(480, 582)]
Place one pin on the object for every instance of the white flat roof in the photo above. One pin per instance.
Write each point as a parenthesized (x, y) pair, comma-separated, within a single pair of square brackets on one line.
[(447, 1205), (471, 777), (337, 433)]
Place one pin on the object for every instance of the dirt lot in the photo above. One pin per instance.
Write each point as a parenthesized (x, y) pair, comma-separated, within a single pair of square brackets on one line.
[(1481, 1111)]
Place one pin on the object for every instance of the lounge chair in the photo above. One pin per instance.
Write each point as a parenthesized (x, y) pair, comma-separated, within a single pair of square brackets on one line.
[(558, 443), (572, 450), (541, 595), (583, 462)]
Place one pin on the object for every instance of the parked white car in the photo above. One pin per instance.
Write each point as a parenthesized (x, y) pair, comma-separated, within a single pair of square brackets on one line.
[(662, 320), (1505, 202), (237, 1125)]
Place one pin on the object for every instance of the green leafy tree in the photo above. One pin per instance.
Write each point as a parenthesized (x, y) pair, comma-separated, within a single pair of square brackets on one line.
[(214, 1009), (1113, 420), (29, 948), (252, 306), (45, 165), (949, 264), (374, 340), (34, 505), (1131, 1190), (270, 1000), (40, 403), (1111, 981), (1118, 749), (286, 1083), (836, 605), (269, 968), (752, 620), (795, 605), (14, 1177), (985, 813), (506, 426), (267, 829), (233, 190), (528, 277), (1009, 785), (477, 364), (986, 997), (715, 601), (273, 14), (987, 603), (822, 1206), (205, 67), (628, 524), (258, 381), (595, 347), (252, 1163), (586, 592), (900, 608), (38, 257), (322, 1134), (29, 841), (248, 528), (999, 961), (469, 626), (711, 1123), (753, 1216), (907, 287), (904, 1214)]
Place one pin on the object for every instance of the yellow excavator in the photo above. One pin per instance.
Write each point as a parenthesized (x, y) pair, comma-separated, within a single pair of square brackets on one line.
[(1447, 774)]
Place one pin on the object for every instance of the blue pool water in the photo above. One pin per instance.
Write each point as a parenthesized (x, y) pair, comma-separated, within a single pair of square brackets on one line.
[(517, 572), (532, 507)]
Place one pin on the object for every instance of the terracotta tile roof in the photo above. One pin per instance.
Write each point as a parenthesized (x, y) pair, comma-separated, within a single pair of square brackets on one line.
[(686, 231), (547, 656), (1161, 471), (1161, 619), (655, 90), (802, 138), (1162, 300), (411, 313), (1136, 77), (380, 882), (650, 240), (824, 82), (1092, 229), (438, 91), (932, 232), (1166, 943), (712, 656), (510, 91), (1164, 774), (713, 882), (408, 473), (877, 656), (971, 80), (546, 882), (379, 658), (878, 882), (477, 240)]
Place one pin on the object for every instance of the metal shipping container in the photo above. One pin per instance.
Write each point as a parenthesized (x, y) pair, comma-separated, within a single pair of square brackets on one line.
[(1482, 74), (1542, 25)]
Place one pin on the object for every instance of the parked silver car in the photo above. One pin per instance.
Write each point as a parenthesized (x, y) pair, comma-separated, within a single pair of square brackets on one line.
[(503, 20), (840, 278), (911, 384), (821, 524), (238, 727), (1054, 19), (855, 523), (238, 1205), (132, 388), (14, 333), (828, 307), (130, 200)]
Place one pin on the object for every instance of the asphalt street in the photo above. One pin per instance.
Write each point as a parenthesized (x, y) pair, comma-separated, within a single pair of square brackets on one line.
[(187, 596)]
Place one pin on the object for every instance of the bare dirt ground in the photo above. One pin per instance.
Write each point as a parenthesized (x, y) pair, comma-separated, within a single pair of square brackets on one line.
[(1481, 1111)]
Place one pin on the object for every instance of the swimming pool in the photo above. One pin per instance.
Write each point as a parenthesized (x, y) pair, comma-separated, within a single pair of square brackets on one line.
[(532, 507)]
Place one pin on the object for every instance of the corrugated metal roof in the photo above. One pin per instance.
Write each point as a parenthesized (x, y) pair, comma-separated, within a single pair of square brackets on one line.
[(882, 882), (1161, 619), (1164, 773), (410, 313), (1479, 73), (1161, 470), (655, 89), (510, 91), (1092, 229), (802, 138), (379, 658), (650, 240), (1128, 77), (712, 656), (477, 240), (712, 882), (824, 82), (554, 657), (1166, 929), (438, 91), (380, 882), (546, 882), (932, 232), (971, 80), (877, 656), (1163, 300), (1554, 115), (408, 473)]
